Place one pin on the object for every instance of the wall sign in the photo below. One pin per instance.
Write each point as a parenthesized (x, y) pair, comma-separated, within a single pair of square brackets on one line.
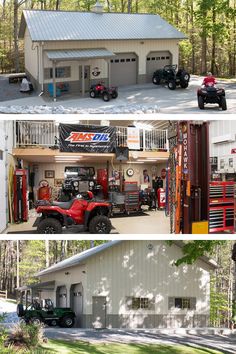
[(96, 71), (84, 138), (233, 151), (133, 138)]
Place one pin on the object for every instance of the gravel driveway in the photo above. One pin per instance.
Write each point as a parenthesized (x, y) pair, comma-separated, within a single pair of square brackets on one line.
[(224, 343), (9, 309), (138, 99)]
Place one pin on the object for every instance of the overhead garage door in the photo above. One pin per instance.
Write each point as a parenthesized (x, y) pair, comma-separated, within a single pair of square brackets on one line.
[(157, 60), (61, 296), (124, 69), (77, 302)]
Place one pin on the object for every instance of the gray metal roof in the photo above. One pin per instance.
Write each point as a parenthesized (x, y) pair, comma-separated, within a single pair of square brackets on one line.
[(86, 26), (81, 257), (79, 54)]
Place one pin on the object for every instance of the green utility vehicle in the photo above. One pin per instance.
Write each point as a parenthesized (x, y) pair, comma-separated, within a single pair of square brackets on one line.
[(44, 312)]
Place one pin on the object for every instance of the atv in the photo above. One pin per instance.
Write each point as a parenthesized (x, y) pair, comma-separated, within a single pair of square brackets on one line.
[(82, 210), (211, 94), (100, 90), (170, 76), (37, 313)]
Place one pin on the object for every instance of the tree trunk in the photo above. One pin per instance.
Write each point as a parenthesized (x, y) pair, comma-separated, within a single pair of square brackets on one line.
[(15, 33)]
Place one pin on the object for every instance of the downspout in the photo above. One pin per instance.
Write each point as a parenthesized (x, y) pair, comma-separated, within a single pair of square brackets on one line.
[(6, 171), (42, 67)]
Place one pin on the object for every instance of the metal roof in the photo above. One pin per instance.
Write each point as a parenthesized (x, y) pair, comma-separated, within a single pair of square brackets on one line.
[(86, 26), (49, 285), (79, 54), (81, 257)]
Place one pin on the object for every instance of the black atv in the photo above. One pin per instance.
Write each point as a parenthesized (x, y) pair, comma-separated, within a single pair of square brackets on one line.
[(100, 90), (170, 76), (211, 94), (37, 313)]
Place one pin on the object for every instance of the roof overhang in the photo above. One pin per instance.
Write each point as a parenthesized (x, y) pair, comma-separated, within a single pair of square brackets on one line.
[(82, 54), (48, 285)]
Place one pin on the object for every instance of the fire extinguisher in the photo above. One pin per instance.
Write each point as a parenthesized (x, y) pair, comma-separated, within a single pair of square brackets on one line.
[(161, 198), (44, 191)]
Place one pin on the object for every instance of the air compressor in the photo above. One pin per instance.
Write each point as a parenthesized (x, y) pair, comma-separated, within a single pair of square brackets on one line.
[(20, 195)]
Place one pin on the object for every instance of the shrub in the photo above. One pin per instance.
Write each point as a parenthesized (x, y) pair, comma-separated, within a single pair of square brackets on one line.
[(29, 336)]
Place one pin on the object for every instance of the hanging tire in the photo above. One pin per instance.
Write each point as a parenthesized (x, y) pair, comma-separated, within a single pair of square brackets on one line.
[(67, 322), (92, 94), (100, 224), (223, 103), (200, 102), (114, 94), (36, 321), (106, 96), (156, 80), (49, 226), (171, 85), (20, 310)]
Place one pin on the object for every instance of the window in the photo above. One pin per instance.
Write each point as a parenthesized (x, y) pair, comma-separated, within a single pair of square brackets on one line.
[(153, 58), (117, 61), (136, 303), (128, 60), (122, 60), (148, 59), (61, 72), (62, 295), (167, 57), (162, 58), (112, 61), (182, 303), (133, 59)]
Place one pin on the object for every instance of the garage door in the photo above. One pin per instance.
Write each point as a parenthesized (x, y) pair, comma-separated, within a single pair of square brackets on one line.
[(124, 69), (61, 296), (77, 302), (157, 60)]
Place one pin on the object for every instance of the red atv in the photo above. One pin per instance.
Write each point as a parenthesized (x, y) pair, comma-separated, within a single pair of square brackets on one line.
[(211, 94), (92, 214), (100, 90)]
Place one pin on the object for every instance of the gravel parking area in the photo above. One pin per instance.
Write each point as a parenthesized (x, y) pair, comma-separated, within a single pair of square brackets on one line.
[(8, 92)]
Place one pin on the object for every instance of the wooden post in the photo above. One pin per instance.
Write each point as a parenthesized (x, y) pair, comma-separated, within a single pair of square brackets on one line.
[(109, 72), (83, 81), (54, 81)]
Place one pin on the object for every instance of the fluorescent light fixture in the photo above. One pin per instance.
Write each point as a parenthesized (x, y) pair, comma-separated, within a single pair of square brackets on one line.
[(67, 157), (65, 161), (157, 158), (137, 162)]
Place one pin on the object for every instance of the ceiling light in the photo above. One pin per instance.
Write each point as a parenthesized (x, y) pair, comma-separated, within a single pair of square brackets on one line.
[(68, 157)]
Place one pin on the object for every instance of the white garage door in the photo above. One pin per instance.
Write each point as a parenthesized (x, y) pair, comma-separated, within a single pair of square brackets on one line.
[(62, 296), (77, 302), (124, 69), (157, 60)]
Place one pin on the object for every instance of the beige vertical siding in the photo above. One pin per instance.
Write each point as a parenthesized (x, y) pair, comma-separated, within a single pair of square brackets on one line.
[(31, 56)]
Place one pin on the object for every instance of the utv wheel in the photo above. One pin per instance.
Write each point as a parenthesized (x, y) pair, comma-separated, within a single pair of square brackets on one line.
[(67, 322), (52, 323), (49, 226), (200, 102), (223, 103), (106, 96), (20, 310), (156, 80), (36, 321), (114, 94), (185, 76), (92, 94), (184, 84), (100, 224), (171, 85)]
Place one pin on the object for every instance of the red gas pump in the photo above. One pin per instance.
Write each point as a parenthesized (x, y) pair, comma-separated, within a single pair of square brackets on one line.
[(20, 195), (161, 198), (102, 179), (44, 191)]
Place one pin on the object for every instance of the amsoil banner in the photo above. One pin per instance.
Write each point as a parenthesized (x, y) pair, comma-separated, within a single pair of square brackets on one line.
[(84, 138)]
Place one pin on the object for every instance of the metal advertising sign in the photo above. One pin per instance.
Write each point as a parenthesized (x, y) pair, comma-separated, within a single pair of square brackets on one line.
[(89, 139), (133, 138)]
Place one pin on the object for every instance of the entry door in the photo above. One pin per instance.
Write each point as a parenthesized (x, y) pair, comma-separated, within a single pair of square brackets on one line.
[(86, 77), (99, 312)]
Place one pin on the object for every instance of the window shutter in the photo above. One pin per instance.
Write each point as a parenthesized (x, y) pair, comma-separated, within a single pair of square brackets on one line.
[(128, 302), (171, 302), (193, 302)]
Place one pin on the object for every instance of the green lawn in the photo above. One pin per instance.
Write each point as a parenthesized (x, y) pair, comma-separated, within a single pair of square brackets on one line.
[(77, 347)]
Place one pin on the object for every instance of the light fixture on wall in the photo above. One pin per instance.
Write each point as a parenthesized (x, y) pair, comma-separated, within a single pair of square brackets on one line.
[(67, 273)]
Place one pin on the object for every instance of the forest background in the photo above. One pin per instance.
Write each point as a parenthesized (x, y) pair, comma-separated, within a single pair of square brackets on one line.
[(210, 26)]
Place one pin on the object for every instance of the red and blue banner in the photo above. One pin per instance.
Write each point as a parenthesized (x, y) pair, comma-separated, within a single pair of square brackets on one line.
[(87, 138)]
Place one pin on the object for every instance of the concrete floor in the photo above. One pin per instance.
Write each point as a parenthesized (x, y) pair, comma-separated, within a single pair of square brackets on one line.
[(154, 222)]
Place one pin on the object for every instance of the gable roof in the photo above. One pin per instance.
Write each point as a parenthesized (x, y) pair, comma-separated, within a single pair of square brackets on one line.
[(80, 258), (86, 26)]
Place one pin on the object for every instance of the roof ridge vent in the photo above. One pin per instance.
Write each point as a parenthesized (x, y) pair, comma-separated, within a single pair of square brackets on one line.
[(97, 8)]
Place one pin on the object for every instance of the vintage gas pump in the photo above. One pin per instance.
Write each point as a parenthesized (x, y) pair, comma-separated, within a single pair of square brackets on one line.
[(20, 195), (189, 177)]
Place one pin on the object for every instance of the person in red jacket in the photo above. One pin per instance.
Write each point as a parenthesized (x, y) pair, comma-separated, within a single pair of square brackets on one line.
[(209, 80)]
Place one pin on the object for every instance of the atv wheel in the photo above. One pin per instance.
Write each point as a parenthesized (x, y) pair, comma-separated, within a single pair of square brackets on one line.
[(67, 322), (171, 85), (223, 103), (114, 94), (92, 94), (100, 224), (200, 102), (20, 310), (36, 321), (183, 84), (49, 226), (106, 96), (156, 80)]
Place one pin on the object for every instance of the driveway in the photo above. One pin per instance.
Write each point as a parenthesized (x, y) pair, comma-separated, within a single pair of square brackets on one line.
[(224, 343), (146, 98)]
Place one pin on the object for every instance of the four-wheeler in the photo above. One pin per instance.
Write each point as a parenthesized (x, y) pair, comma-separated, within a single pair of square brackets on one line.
[(100, 90), (78, 180), (170, 76), (44, 312), (211, 94), (82, 210)]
